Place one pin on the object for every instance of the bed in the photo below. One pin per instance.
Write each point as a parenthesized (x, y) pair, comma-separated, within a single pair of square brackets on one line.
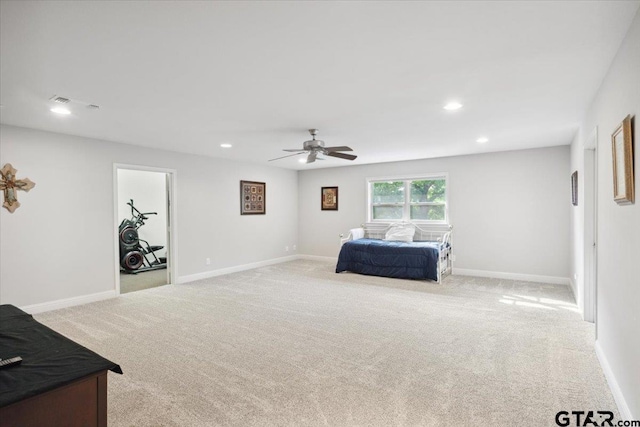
[(400, 250)]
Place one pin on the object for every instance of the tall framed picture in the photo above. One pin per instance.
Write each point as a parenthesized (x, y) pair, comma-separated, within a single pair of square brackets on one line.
[(253, 198), (574, 188), (329, 198), (622, 147)]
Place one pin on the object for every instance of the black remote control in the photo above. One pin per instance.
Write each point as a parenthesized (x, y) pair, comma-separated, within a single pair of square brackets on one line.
[(5, 363)]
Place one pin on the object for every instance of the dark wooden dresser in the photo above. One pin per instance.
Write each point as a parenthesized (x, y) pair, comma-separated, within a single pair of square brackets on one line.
[(58, 383)]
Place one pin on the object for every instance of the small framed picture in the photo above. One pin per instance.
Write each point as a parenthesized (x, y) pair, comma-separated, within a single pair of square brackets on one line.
[(574, 188), (622, 147), (329, 198), (253, 198)]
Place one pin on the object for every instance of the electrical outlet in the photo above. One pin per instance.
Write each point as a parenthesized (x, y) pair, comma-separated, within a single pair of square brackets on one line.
[(294, 247), (286, 248), (208, 261), (453, 258)]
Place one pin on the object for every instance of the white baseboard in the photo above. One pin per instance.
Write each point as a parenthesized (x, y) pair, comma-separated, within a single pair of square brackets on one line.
[(68, 302), (85, 299), (513, 276), (234, 269), (623, 408), (318, 258)]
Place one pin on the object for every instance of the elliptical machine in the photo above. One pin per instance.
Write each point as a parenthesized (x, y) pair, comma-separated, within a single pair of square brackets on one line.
[(136, 255)]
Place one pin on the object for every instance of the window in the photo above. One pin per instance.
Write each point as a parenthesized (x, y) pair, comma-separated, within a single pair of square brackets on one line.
[(421, 199)]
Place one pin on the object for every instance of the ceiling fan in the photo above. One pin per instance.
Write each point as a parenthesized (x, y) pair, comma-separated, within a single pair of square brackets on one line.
[(315, 146)]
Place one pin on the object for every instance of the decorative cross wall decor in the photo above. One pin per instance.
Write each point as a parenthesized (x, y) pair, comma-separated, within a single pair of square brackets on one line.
[(9, 185)]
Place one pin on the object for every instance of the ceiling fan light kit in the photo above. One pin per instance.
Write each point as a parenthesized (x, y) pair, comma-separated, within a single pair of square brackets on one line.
[(314, 147)]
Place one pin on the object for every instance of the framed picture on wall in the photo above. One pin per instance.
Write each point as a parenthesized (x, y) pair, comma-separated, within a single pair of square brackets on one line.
[(574, 188), (622, 147), (329, 198), (253, 198)]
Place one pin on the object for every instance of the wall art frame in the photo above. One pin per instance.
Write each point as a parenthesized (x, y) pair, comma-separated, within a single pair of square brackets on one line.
[(623, 173), (253, 198), (329, 199)]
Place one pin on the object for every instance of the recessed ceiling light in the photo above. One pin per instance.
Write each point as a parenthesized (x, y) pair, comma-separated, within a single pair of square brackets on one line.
[(61, 110), (453, 105), (225, 145), (482, 140), (303, 160)]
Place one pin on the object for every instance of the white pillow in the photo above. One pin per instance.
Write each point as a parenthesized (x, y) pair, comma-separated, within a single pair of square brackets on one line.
[(356, 233), (401, 232)]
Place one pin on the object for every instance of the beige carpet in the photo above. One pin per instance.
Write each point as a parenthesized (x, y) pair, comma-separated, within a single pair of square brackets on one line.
[(295, 344), (143, 280)]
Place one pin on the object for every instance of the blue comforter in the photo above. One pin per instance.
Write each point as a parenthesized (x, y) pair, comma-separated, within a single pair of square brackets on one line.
[(414, 260)]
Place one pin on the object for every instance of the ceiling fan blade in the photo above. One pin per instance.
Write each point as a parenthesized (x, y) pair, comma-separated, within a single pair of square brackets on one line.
[(290, 155), (342, 155), (312, 157), (296, 149), (341, 148)]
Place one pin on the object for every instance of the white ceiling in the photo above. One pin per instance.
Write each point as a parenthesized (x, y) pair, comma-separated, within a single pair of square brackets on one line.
[(187, 76)]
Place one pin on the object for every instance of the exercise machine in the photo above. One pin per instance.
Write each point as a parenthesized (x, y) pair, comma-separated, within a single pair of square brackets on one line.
[(136, 255)]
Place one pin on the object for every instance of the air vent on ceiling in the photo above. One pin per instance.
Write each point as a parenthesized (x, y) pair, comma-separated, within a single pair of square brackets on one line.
[(60, 99)]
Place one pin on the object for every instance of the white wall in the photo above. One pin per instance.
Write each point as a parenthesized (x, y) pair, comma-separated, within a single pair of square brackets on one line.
[(509, 210), (60, 243), (149, 193), (618, 270)]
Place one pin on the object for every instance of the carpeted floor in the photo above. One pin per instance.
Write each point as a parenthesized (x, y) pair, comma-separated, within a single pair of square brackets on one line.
[(295, 344), (143, 280)]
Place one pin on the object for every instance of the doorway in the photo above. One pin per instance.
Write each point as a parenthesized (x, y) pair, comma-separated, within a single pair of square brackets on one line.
[(590, 227), (143, 237)]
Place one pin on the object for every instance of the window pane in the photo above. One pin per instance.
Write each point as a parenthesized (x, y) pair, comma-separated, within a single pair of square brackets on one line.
[(387, 212), (388, 192), (429, 212), (428, 190)]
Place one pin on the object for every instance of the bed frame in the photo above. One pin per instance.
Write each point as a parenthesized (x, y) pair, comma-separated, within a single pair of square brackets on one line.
[(435, 233)]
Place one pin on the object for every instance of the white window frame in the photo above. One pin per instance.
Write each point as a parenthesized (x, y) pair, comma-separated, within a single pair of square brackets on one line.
[(406, 213)]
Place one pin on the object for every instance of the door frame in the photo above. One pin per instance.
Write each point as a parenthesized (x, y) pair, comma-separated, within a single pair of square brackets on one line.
[(590, 273), (172, 178)]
